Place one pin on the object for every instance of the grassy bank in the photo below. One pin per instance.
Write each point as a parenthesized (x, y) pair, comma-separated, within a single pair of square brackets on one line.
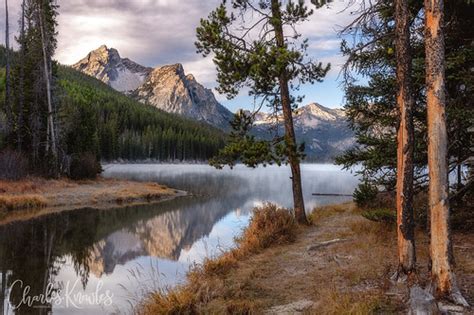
[(37, 195), (341, 264)]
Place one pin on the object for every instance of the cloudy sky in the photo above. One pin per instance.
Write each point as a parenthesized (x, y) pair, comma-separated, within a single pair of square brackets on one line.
[(158, 32)]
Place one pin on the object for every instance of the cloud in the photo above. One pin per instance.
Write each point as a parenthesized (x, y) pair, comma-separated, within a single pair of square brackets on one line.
[(158, 32)]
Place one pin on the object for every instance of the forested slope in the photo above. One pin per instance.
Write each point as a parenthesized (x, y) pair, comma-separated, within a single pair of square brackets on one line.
[(128, 129), (95, 118)]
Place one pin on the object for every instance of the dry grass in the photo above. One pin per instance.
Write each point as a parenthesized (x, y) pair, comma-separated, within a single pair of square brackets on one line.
[(9, 203), (335, 302), (36, 193), (321, 213), (33, 185)]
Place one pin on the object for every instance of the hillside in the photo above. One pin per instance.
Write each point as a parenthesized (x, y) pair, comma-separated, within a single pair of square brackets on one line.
[(130, 130)]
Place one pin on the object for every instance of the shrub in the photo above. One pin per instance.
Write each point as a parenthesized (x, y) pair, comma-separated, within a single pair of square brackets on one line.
[(269, 225), (84, 166), (365, 194), (13, 165), (380, 215)]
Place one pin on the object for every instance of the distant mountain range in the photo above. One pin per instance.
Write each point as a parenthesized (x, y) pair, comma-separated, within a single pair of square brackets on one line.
[(324, 130)]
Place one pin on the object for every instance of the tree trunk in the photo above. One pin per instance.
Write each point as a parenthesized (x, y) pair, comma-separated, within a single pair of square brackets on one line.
[(444, 283), (8, 108), (405, 141), (290, 138), (47, 75), (21, 101)]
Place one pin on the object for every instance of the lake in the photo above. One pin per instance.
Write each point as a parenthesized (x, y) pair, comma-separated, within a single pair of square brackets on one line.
[(93, 261)]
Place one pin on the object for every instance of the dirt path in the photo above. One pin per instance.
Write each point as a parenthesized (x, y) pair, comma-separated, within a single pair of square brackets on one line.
[(25, 199), (346, 276)]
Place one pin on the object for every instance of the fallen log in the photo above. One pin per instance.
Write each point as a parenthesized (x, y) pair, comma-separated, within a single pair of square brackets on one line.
[(324, 244), (337, 195)]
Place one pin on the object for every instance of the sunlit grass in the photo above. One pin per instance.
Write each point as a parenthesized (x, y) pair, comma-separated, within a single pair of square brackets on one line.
[(9, 203)]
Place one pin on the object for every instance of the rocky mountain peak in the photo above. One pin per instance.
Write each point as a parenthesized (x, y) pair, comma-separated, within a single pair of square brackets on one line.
[(319, 111), (170, 89), (167, 87), (106, 65)]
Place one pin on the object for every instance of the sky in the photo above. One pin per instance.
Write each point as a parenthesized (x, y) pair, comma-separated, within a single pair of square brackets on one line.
[(160, 32)]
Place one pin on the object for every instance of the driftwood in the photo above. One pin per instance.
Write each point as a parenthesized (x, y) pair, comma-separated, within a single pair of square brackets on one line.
[(422, 302), (324, 244)]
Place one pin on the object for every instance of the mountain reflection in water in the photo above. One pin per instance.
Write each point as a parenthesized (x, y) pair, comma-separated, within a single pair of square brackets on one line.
[(88, 249)]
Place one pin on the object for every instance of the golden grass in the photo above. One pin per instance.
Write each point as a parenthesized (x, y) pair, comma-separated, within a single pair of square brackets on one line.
[(13, 202), (327, 211), (334, 302), (34, 185)]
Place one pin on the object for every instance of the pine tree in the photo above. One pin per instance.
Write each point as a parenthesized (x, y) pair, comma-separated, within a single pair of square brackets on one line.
[(268, 62), (371, 107)]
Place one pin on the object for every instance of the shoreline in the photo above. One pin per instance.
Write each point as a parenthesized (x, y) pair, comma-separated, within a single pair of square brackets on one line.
[(33, 197), (339, 264)]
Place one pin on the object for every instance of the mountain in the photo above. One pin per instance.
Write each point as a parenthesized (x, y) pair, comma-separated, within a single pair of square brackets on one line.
[(324, 131), (97, 117), (105, 64), (167, 88)]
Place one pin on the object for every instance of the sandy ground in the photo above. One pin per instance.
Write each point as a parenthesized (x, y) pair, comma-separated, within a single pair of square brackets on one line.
[(348, 275), (33, 197)]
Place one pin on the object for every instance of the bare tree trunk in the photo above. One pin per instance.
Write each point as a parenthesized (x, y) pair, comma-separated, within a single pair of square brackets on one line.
[(8, 107), (444, 282), (21, 102), (47, 75), (290, 137), (405, 142)]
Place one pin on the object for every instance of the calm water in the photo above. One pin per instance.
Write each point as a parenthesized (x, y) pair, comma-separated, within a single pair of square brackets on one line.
[(102, 261)]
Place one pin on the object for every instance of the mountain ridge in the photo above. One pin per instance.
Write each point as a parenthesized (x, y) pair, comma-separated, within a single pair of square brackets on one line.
[(324, 130), (167, 87)]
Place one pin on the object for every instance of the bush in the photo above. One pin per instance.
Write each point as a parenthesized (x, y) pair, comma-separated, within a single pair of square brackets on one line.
[(13, 165), (84, 166), (269, 225), (381, 215), (365, 194)]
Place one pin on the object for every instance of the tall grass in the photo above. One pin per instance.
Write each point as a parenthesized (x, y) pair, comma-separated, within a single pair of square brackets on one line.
[(9, 203)]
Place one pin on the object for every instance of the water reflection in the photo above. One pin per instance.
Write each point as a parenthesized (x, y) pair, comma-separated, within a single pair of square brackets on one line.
[(87, 249)]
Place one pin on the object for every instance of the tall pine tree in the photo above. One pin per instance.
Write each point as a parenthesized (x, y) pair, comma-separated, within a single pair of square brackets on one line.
[(255, 45)]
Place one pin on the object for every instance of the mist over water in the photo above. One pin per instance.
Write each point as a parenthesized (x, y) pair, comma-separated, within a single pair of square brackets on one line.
[(130, 250)]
